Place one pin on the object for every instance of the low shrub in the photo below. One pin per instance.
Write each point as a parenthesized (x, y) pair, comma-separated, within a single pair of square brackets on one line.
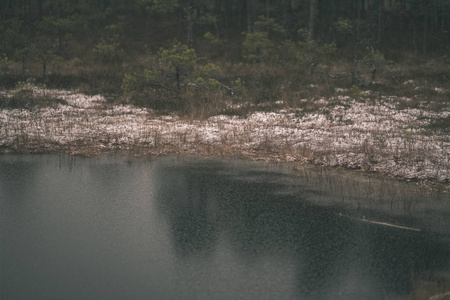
[(28, 101)]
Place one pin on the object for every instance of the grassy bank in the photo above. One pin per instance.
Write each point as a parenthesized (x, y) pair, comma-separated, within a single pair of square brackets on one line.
[(399, 136)]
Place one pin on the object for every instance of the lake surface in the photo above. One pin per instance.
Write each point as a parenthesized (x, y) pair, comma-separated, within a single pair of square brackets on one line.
[(115, 227)]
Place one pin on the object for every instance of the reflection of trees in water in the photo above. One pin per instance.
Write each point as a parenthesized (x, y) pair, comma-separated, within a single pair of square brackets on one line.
[(202, 206), (317, 261), (328, 252), (18, 184), (14, 175), (185, 201), (193, 229)]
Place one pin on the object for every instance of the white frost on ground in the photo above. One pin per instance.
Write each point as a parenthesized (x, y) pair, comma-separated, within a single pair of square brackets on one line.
[(374, 136)]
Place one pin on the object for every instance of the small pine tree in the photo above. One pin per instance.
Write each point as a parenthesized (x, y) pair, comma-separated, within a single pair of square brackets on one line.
[(181, 59)]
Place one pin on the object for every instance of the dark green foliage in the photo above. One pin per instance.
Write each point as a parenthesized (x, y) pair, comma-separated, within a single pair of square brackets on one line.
[(420, 25), (177, 82), (258, 48), (27, 101), (262, 51)]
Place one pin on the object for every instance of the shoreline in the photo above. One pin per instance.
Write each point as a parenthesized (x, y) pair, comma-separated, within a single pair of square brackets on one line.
[(376, 137)]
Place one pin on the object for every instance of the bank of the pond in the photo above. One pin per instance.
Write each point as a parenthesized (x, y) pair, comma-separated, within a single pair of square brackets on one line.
[(374, 136)]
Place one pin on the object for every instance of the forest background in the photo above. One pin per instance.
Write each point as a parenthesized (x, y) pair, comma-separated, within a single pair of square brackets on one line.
[(204, 57)]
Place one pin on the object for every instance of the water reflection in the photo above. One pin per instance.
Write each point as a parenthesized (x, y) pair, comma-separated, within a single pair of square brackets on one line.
[(108, 228), (329, 257)]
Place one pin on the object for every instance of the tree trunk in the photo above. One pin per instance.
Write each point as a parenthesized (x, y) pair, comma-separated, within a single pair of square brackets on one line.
[(285, 17), (354, 68), (380, 24), (331, 23), (425, 33), (44, 68), (178, 79), (374, 71), (23, 64), (190, 33), (225, 21), (39, 9), (249, 16), (216, 28), (60, 41), (312, 19)]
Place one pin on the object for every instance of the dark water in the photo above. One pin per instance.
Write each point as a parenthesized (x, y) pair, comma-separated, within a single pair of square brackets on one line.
[(109, 228)]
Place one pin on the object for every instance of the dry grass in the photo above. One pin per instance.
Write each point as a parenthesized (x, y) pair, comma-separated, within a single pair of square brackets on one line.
[(339, 131)]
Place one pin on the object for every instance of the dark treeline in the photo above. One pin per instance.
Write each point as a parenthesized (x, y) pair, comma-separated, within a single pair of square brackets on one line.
[(421, 26), (160, 46)]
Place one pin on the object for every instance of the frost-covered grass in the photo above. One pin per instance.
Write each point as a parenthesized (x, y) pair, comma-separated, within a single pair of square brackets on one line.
[(379, 134)]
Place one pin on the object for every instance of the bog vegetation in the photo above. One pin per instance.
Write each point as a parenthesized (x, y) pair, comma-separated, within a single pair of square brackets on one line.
[(203, 57)]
